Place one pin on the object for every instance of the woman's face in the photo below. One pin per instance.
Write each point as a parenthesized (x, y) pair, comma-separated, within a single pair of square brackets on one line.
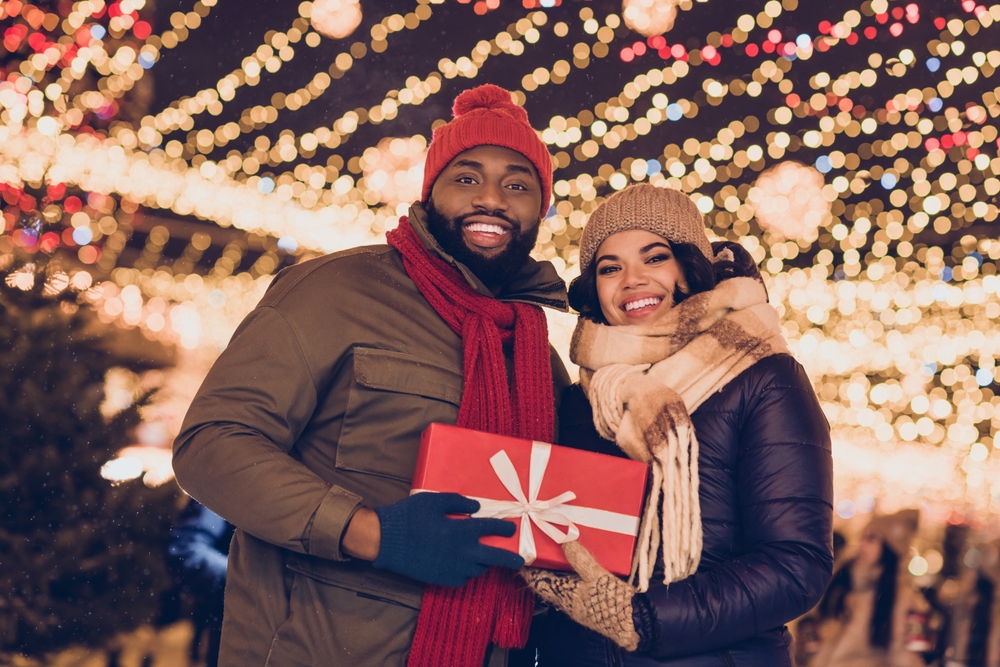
[(869, 550), (636, 277)]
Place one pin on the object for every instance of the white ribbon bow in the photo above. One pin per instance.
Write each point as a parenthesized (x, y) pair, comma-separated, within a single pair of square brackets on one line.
[(544, 513)]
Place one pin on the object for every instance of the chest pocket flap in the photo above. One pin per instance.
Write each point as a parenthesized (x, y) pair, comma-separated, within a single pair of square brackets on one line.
[(393, 398)]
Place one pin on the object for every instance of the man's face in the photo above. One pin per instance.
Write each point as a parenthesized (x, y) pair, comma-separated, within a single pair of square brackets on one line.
[(484, 211)]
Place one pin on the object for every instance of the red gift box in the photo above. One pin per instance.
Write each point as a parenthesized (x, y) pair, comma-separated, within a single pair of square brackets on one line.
[(554, 494)]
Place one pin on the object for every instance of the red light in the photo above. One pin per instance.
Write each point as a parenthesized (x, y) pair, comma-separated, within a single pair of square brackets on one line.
[(939, 23), (960, 138), (677, 51), (824, 27), (752, 50), (774, 36), (792, 100), (627, 55), (639, 48), (871, 32), (767, 47), (882, 18), (852, 39), (932, 144), (142, 30), (896, 29), (709, 52), (49, 243)]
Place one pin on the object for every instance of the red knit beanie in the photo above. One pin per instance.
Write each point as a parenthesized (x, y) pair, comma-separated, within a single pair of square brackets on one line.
[(486, 116)]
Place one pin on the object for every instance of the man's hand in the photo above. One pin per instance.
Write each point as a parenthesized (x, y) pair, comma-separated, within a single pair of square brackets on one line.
[(419, 540)]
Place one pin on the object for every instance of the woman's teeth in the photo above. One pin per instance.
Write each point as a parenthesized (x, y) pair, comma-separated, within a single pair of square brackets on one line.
[(642, 303)]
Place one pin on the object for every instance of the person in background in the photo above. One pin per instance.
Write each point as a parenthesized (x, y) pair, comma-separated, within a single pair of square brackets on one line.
[(684, 366), (197, 555), (974, 636), (863, 615)]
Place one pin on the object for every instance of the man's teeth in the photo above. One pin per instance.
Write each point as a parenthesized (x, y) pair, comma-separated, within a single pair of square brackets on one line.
[(642, 303), (486, 228)]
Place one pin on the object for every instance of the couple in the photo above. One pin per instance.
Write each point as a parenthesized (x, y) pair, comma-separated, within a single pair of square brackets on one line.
[(305, 433)]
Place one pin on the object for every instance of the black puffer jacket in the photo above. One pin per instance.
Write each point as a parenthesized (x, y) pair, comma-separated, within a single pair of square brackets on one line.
[(766, 489)]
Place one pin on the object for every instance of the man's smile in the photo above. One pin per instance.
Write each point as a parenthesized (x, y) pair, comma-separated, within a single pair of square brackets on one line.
[(486, 232)]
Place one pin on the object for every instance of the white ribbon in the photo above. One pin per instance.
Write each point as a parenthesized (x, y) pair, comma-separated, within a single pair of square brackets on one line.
[(544, 513)]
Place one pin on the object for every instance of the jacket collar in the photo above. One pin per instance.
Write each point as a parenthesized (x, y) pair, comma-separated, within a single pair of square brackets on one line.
[(536, 283)]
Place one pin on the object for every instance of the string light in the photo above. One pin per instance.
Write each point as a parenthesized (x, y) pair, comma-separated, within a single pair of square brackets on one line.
[(649, 17), (334, 18), (894, 327)]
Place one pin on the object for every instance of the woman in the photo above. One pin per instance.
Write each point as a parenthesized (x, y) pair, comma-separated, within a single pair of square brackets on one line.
[(863, 615), (685, 366)]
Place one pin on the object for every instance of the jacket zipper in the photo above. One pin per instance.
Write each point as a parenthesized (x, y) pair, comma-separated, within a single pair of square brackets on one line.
[(613, 652)]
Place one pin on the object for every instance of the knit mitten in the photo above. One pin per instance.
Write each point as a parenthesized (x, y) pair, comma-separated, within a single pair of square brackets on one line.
[(421, 541), (593, 597)]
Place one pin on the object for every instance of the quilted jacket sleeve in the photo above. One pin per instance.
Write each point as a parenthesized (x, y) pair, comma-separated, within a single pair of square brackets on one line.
[(784, 482)]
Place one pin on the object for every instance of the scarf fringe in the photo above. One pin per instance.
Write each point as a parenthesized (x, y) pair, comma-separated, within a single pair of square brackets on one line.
[(644, 381)]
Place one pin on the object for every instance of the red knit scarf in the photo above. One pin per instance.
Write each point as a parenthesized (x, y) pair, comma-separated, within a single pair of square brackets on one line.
[(456, 625)]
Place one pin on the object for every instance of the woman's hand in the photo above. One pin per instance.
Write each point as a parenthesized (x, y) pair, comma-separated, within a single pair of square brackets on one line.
[(593, 597)]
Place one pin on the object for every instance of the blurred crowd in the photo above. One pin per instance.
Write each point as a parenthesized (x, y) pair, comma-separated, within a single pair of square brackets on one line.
[(890, 606)]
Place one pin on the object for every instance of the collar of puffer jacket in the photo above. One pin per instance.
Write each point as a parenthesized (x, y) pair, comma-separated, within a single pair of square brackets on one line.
[(536, 283)]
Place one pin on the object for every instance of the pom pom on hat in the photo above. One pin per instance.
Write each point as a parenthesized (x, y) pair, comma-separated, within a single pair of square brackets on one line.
[(490, 98), (486, 116)]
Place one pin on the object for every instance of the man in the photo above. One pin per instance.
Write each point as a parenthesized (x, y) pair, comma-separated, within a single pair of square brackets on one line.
[(305, 433)]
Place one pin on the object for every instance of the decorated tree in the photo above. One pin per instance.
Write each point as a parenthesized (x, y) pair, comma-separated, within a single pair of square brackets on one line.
[(80, 558)]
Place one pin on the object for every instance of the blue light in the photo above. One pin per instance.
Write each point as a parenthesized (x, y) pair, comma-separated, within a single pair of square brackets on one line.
[(888, 181), (935, 104), (803, 40), (145, 60), (929, 368), (98, 31), (266, 185), (289, 244), (548, 214), (984, 377), (82, 235), (548, 3), (217, 298), (653, 167), (846, 509), (976, 256), (933, 64), (674, 111), (823, 164), (947, 273)]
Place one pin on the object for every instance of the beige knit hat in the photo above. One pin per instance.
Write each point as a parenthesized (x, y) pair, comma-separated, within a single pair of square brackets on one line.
[(663, 211)]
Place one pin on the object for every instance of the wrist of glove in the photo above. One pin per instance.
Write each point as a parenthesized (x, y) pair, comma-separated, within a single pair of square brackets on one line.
[(419, 539), (596, 599)]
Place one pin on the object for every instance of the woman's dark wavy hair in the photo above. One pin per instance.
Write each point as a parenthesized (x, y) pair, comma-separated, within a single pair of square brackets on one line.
[(833, 603), (699, 274)]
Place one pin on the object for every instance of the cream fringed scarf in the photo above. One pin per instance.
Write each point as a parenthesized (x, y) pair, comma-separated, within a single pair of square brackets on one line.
[(644, 381)]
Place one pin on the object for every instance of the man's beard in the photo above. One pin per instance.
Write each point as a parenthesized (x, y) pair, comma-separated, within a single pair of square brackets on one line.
[(495, 270)]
